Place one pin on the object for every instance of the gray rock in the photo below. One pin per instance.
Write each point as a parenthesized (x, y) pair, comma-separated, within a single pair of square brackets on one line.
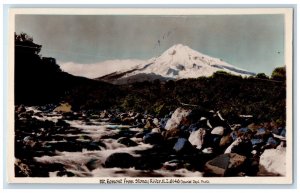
[(179, 117), (273, 162), (229, 164)]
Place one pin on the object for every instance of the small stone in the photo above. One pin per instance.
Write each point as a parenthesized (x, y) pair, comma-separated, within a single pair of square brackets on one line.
[(218, 130)]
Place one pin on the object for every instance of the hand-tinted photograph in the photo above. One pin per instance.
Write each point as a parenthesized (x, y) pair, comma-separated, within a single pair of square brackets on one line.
[(151, 95)]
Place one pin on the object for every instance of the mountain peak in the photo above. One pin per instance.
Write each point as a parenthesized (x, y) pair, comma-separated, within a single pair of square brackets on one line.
[(178, 48), (180, 61)]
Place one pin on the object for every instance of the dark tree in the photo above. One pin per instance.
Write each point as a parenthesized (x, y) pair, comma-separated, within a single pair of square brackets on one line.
[(279, 74), (262, 76), (37, 79)]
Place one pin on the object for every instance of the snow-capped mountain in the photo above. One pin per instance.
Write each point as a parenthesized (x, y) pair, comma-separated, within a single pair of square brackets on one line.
[(178, 62)]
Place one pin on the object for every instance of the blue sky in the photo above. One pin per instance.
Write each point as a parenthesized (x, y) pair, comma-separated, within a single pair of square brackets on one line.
[(251, 42)]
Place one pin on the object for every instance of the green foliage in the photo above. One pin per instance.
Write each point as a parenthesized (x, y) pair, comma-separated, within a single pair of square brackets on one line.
[(232, 95), (159, 109), (129, 102), (220, 73), (279, 74)]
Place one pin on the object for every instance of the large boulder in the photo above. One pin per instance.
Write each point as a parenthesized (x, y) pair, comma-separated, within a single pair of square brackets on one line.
[(229, 164), (120, 160), (197, 138), (273, 162), (179, 117)]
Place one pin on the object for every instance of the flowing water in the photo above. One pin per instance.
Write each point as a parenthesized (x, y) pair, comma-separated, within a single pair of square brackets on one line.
[(100, 129)]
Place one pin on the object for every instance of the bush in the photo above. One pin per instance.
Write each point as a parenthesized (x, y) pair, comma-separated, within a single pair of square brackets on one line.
[(262, 76), (279, 74)]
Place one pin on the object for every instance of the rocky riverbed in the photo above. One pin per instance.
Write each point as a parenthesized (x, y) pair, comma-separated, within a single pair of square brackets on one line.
[(51, 142)]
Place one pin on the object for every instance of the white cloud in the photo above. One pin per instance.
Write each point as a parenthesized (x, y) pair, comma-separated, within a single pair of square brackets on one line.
[(98, 69)]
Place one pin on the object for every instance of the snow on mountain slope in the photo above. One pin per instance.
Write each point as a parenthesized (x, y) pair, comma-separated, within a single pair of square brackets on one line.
[(178, 62)]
